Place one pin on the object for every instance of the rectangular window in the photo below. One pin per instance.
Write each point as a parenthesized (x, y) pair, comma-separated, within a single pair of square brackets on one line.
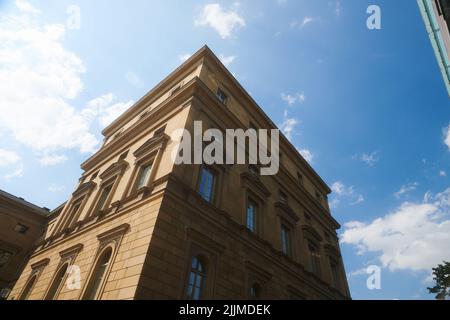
[(144, 175), (300, 178), (104, 197), (334, 274), (20, 228), (5, 257), (314, 259), (222, 96), (206, 185), (254, 169), (286, 241), (251, 216), (283, 197)]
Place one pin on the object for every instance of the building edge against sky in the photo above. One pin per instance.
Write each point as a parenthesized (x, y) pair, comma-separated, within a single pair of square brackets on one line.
[(139, 227), (436, 15)]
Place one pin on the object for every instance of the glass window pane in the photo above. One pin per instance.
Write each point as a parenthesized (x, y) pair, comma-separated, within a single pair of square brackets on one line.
[(144, 175)]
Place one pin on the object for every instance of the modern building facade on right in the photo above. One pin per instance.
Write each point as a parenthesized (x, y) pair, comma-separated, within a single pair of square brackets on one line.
[(436, 15)]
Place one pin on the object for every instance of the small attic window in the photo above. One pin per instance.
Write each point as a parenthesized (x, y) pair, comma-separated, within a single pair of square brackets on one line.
[(222, 96)]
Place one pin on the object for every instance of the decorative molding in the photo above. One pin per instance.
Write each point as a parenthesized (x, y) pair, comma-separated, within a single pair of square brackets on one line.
[(332, 251), (204, 240), (258, 271), (312, 233), (286, 212), (253, 183), (40, 264), (153, 144), (115, 169), (84, 188), (72, 251), (113, 234)]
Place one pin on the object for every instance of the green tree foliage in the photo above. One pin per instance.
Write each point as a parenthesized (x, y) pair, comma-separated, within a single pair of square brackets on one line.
[(442, 278)]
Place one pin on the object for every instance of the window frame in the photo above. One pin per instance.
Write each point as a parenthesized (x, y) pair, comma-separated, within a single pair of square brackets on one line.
[(215, 177), (202, 274), (288, 237)]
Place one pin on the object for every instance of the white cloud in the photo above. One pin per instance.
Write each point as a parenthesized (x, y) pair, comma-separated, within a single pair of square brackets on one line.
[(227, 60), (16, 173), (26, 7), (39, 77), (288, 125), (293, 99), (10, 164), (340, 191), (447, 136), (337, 8), (370, 158), (49, 160), (224, 22), (307, 154), (415, 236), (442, 173), (281, 2), (184, 57), (304, 22), (8, 158), (134, 79), (54, 188), (105, 109), (406, 189)]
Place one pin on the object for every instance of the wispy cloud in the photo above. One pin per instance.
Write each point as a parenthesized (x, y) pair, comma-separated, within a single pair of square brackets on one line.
[(288, 125), (307, 154), (447, 136), (49, 160), (225, 22), (133, 79), (227, 60), (341, 191), (302, 23), (369, 158), (294, 98), (54, 188), (10, 164), (405, 189)]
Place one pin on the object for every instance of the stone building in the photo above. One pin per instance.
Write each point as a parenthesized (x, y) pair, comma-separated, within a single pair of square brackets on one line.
[(140, 227), (22, 224)]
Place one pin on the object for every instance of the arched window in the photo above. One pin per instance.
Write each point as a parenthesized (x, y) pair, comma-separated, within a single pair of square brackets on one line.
[(255, 291), (98, 275), (196, 280), (57, 283), (28, 287)]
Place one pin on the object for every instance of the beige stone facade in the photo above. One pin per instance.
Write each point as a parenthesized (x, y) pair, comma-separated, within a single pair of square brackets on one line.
[(136, 227), (22, 224)]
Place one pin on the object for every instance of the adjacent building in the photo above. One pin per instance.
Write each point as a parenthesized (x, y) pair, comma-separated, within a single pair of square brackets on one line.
[(138, 226), (22, 224), (436, 15)]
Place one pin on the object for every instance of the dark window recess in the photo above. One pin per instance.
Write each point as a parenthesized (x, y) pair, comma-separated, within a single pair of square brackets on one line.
[(20, 228), (253, 169), (222, 96), (283, 197), (160, 131), (94, 176), (123, 155), (300, 178)]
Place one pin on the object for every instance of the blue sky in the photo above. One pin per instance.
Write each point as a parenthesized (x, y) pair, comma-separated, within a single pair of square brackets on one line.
[(368, 108)]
